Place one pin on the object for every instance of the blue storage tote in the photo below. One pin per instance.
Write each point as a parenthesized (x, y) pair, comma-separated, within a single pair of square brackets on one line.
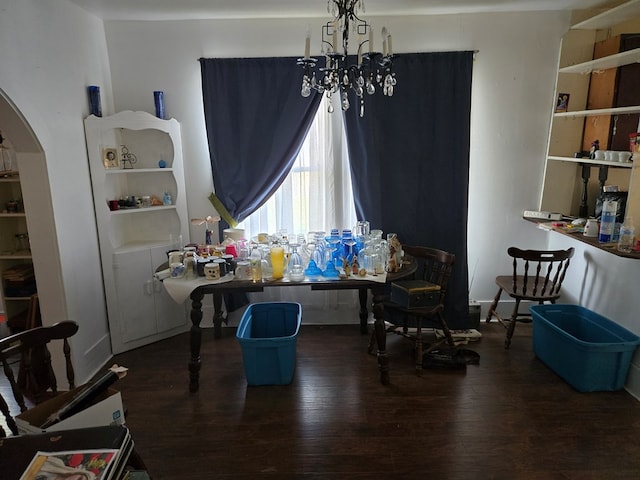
[(268, 334), (589, 351)]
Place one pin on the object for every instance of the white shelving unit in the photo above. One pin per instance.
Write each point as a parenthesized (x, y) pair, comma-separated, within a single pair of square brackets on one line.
[(134, 240), (564, 186), (12, 223)]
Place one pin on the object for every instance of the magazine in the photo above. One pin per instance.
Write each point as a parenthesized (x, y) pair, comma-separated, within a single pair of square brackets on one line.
[(76, 465)]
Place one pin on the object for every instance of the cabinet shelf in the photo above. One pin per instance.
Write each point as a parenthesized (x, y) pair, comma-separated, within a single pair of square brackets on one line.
[(13, 215), (612, 61), (599, 111), (16, 257), (127, 211), (10, 176), (591, 162), (138, 170), (610, 17)]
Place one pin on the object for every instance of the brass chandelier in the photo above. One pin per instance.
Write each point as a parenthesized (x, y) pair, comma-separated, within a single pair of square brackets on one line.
[(372, 69)]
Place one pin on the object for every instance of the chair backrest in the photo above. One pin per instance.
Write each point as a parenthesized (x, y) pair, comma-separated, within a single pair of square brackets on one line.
[(30, 349), (434, 266), (538, 274)]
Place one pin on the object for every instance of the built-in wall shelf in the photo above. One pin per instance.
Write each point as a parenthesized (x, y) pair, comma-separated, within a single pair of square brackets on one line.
[(599, 111), (610, 17), (612, 61), (134, 241), (592, 162)]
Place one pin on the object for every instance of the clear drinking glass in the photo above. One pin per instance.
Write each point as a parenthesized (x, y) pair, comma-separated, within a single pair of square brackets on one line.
[(296, 264)]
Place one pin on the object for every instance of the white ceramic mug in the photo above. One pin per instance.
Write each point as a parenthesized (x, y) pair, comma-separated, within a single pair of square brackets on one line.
[(212, 271), (599, 154), (624, 156), (591, 228)]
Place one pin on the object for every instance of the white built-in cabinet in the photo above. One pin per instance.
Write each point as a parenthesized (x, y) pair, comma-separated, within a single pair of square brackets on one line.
[(565, 185), (134, 240), (15, 254)]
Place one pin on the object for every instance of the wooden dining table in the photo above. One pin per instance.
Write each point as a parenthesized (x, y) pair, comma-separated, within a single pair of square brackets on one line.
[(379, 288)]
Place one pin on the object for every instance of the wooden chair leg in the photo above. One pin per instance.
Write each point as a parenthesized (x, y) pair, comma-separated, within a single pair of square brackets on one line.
[(512, 325), (493, 306), (372, 342), (418, 347)]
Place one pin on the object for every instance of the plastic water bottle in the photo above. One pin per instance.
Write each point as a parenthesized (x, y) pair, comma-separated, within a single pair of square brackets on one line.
[(627, 234), (607, 221)]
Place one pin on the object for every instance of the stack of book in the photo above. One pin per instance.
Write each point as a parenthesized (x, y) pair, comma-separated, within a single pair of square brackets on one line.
[(100, 453)]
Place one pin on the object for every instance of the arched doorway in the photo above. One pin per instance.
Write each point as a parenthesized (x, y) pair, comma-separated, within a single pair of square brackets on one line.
[(38, 214)]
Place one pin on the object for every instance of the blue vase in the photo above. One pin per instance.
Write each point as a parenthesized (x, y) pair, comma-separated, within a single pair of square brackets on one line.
[(95, 105), (158, 98)]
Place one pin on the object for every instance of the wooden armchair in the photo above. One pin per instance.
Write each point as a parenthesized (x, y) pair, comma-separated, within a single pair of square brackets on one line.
[(537, 276), (434, 266), (30, 349)]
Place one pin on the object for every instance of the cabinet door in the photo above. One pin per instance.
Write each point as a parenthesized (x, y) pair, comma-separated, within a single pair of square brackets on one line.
[(169, 314), (135, 297)]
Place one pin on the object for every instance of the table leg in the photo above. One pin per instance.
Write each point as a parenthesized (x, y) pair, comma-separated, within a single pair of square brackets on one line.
[(364, 313), (195, 341), (381, 336), (218, 316)]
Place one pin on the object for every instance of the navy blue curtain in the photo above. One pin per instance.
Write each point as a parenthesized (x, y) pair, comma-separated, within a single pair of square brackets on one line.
[(256, 123), (409, 159)]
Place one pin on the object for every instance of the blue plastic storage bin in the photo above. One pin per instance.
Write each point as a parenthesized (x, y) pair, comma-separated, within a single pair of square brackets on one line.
[(590, 352), (268, 334)]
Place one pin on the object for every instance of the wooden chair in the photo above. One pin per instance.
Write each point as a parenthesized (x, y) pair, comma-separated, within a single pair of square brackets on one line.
[(434, 266), (537, 277), (30, 349)]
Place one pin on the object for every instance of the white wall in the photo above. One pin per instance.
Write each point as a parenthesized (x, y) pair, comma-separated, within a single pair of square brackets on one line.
[(50, 52), (513, 85)]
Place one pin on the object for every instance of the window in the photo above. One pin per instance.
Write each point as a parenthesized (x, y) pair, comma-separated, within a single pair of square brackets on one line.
[(317, 194)]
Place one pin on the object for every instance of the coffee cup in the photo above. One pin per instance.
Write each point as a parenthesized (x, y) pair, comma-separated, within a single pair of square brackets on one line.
[(599, 155), (212, 271), (591, 228)]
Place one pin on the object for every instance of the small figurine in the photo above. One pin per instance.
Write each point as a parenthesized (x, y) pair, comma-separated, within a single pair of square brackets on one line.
[(395, 249), (346, 267), (595, 145), (355, 267)]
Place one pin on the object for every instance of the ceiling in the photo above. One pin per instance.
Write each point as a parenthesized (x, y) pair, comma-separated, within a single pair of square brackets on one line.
[(227, 9)]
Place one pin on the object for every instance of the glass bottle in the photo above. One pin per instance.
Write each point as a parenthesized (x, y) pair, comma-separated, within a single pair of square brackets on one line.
[(256, 264), (627, 235)]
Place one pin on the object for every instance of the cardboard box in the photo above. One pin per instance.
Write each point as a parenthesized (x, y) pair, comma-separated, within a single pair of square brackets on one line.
[(106, 410), (415, 293)]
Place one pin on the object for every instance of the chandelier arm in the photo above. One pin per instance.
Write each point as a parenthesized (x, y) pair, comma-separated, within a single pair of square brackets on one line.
[(339, 75)]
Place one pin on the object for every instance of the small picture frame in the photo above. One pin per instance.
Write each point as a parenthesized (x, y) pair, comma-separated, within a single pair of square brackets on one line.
[(562, 103), (110, 158)]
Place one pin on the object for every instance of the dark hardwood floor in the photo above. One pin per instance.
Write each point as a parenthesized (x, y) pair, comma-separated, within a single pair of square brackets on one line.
[(509, 417)]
